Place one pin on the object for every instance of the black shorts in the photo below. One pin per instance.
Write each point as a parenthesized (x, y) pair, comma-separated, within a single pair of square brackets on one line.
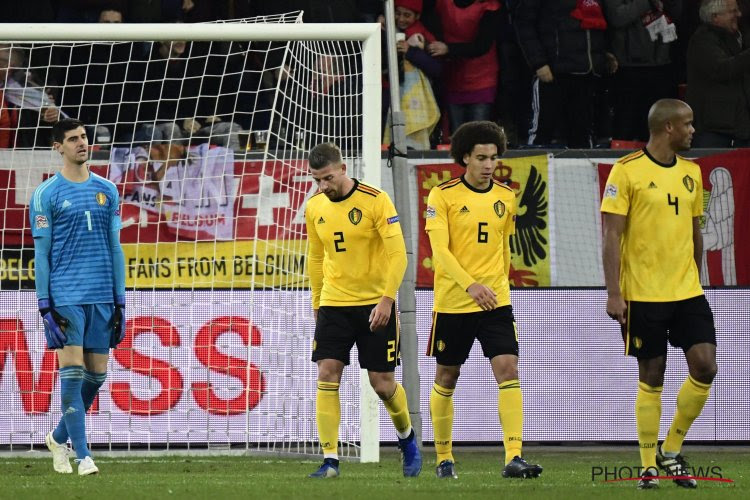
[(453, 335), (683, 323), (338, 328)]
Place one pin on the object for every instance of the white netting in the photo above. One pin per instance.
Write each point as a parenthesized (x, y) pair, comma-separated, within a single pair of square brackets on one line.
[(206, 142)]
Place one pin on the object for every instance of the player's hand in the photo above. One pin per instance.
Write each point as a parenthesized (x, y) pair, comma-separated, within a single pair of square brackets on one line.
[(545, 74), (483, 296), (315, 316), (617, 308), (118, 322), (54, 325), (381, 314)]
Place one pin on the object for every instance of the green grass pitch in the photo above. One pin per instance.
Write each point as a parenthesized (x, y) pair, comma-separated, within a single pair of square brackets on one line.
[(567, 474)]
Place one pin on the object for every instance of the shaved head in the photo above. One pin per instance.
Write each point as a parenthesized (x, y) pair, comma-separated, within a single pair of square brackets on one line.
[(665, 111)]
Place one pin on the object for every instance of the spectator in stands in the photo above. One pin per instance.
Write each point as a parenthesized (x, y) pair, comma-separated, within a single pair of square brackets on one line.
[(171, 86), (110, 15), (514, 98), (471, 66), (641, 33), (27, 108), (564, 42), (417, 69), (718, 76)]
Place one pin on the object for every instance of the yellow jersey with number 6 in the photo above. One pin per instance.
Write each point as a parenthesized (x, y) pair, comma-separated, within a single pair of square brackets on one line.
[(476, 225), (660, 202)]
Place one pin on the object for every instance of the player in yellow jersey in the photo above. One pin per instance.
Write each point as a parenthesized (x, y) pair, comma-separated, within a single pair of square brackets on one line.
[(356, 261), (469, 222), (652, 250)]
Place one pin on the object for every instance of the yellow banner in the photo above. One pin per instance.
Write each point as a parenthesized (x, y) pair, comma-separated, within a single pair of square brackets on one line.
[(226, 264), (530, 254)]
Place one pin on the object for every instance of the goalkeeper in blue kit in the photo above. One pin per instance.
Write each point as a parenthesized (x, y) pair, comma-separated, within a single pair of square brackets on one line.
[(80, 284)]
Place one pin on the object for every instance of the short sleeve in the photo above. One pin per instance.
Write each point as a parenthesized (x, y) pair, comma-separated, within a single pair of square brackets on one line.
[(386, 217), (437, 211), (40, 215), (616, 196), (698, 203)]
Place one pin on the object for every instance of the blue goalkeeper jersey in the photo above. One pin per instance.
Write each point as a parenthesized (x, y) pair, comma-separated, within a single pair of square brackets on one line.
[(78, 217)]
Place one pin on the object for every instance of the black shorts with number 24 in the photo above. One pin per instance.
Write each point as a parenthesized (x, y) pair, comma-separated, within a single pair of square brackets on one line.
[(339, 327), (453, 335)]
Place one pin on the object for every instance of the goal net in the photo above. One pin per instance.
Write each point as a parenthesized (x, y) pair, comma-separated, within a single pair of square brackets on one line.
[(205, 133)]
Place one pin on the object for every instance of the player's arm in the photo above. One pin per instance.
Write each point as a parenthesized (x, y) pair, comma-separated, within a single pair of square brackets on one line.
[(118, 274), (315, 254), (389, 228), (41, 230), (697, 213), (614, 225), (436, 226), (615, 208)]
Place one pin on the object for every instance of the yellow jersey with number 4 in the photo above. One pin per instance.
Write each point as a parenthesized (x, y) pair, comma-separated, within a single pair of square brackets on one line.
[(660, 202)]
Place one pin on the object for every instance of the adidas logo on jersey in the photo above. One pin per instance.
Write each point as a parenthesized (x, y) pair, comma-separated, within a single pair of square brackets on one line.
[(66, 204), (464, 210), (321, 220), (652, 185)]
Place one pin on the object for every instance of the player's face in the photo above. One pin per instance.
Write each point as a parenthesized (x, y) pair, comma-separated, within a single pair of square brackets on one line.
[(405, 17), (682, 130), (330, 180), (480, 164), (74, 147)]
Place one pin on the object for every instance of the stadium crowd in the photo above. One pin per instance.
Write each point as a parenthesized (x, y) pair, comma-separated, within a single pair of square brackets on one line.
[(554, 73)]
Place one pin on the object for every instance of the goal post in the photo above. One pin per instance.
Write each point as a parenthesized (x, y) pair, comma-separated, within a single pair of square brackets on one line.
[(188, 278)]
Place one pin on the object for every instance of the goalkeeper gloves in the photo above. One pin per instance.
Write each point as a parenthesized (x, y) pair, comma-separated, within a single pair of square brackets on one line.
[(54, 325), (118, 322)]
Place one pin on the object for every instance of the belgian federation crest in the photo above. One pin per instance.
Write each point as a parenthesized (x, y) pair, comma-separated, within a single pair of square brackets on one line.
[(689, 183), (101, 198), (499, 208), (355, 215)]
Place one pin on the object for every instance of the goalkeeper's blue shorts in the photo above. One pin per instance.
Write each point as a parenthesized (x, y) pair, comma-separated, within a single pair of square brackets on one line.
[(89, 325)]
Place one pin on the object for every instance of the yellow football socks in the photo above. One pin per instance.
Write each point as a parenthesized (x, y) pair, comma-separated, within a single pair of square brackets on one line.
[(441, 410), (510, 408), (647, 417), (398, 409), (328, 416), (690, 401)]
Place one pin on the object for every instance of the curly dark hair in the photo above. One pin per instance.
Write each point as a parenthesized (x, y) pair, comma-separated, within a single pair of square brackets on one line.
[(470, 134)]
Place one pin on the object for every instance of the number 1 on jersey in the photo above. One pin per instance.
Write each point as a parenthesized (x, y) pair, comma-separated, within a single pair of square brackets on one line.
[(88, 219)]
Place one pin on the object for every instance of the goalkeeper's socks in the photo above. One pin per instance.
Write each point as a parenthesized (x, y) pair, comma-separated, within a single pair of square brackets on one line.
[(398, 409), (510, 409), (441, 411), (328, 417), (647, 417), (92, 381), (71, 380), (690, 401)]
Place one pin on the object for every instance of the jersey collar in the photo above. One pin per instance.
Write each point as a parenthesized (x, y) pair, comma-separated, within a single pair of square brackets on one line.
[(472, 188), (347, 195), (665, 165)]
